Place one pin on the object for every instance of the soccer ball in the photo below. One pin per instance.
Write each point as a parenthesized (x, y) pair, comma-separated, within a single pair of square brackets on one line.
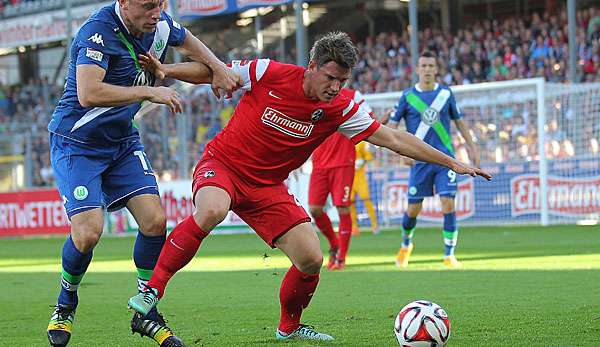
[(422, 324)]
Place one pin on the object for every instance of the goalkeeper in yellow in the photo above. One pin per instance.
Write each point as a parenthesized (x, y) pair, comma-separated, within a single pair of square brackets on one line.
[(360, 186)]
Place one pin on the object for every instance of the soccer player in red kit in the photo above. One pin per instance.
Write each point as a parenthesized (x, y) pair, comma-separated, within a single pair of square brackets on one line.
[(333, 172), (286, 112)]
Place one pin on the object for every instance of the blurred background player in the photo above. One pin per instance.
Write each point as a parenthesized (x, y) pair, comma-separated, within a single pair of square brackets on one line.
[(360, 186), (333, 172), (427, 109), (96, 153)]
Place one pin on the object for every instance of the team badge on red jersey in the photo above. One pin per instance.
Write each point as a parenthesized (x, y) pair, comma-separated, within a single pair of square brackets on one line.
[(317, 115)]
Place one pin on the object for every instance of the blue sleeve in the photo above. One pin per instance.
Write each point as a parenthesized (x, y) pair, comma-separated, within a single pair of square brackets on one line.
[(177, 33), (453, 108), (95, 42), (399, 109)]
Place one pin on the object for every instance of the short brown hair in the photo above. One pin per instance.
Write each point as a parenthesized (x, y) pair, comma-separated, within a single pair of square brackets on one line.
[(427, 54), (334, 46)]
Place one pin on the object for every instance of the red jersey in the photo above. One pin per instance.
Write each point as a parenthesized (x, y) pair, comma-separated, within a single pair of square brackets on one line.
[(275, 127), (338, 150)]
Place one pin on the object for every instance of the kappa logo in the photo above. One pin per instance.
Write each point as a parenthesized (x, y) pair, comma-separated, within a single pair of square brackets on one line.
[(209, 173), (285, 124), (97, 39), (317, 114)]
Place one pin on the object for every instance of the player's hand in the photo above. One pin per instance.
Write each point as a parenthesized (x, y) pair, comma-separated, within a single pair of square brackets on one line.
[(150, 63), (466, 169), (227, 80), (167, 96), (408, 161)]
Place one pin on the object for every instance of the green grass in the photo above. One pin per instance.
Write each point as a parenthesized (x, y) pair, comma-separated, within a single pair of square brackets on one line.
[(525, 286)]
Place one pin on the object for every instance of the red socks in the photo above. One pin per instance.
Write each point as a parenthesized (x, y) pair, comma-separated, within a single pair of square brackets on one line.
[(295, 293), (179, 249), (345, 234), (324, 224)]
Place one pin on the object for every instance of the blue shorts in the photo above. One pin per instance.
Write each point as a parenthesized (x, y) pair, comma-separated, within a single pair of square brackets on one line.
[(424, 177), (89, 177)]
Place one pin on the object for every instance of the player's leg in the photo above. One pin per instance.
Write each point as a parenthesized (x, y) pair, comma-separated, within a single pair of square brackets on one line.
[(450, 231), (420, 185), (130, 182), (345, 230), (150, 217), (301, 245), (281, 221), (318, 190), (409, 223), (78, 178), (212, 205), (86, 228), (212, 191), (149, 214), (341, 185), (445, 186)]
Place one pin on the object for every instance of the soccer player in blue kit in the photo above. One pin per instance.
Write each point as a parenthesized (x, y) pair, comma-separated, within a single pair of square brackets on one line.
[(96, 153), (428, 109)]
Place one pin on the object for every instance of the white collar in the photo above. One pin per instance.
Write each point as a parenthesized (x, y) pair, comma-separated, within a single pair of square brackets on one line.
[(435, 87), (118, 12)]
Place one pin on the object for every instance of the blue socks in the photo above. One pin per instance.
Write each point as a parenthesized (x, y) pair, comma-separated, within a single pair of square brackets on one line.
[(450, 233), (74, 264), (408, 229), (145, 255)]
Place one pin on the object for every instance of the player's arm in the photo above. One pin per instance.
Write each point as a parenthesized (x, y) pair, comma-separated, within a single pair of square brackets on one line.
[(411, 146), (222, 77), (191, 72), (472, 148), (93, 92)]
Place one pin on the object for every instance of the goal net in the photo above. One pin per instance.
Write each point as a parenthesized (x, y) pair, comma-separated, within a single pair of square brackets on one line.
[(540, 141)]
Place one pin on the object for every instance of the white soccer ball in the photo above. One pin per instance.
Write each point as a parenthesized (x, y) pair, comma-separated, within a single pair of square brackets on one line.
[(422, 324)]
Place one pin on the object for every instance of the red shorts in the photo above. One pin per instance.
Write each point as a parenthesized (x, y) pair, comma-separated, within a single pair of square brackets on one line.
[(270, 210), (337, 181)]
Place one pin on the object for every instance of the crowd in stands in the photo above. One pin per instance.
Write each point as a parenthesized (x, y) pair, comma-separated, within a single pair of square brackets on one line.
[(488, 51)]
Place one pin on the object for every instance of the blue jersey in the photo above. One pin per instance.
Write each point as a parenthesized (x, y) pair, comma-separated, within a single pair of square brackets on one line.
[(104, 40), (428, 114)]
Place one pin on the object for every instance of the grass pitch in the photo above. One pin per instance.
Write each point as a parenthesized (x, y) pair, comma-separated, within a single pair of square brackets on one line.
[(520, 286)]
